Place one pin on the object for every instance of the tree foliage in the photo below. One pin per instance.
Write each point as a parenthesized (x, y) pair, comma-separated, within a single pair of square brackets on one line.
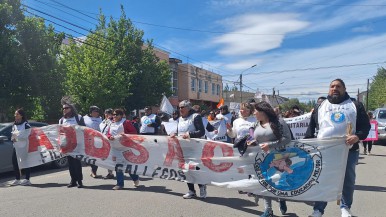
[(113, 68), (377, 90), (305, 107), (29, 70)]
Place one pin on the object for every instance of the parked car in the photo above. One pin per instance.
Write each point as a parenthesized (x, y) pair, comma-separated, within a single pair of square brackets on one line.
[(380, 116), (6, 147)]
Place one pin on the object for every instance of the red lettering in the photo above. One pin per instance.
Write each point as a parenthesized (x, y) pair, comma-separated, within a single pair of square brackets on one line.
[(89, 143), (208, 153), (174, 152), (69, 135), (37, 138), (134, 141)]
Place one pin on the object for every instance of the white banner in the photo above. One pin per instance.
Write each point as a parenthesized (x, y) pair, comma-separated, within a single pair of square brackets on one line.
[(305, 170), (299, 125)]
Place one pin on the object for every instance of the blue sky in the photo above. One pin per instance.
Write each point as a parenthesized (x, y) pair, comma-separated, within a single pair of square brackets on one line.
[(298, 47)]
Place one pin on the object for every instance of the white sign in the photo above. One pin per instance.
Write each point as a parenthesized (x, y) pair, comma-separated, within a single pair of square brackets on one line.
[(299, 125), (306, 170)]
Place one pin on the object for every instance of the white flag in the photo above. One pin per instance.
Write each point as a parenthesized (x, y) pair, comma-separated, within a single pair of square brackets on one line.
[(166, 106)]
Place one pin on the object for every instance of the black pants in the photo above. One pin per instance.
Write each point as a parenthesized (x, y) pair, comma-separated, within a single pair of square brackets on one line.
[(16, 167), (368, 144), (75, 168), (94, 169), (191, 187)]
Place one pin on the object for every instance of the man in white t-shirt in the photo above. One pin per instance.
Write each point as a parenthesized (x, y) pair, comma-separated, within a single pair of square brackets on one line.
[(149, 123), (93, 120)]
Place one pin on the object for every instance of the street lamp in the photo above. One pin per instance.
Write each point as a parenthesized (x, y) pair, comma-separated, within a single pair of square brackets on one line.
[(241, 83)]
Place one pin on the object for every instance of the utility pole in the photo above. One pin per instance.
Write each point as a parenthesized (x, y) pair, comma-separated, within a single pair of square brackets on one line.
[(241, 83), (367, 95), (241, 88)]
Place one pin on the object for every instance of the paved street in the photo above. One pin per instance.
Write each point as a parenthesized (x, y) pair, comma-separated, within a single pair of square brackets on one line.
[(49, 196)]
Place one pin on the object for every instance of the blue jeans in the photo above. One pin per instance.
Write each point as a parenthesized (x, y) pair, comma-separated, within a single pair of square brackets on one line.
[(348, 184), (121, 178)]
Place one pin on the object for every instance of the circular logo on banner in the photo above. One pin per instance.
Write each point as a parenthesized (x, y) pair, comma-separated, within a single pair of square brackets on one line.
[(289, 172), (338, 117)]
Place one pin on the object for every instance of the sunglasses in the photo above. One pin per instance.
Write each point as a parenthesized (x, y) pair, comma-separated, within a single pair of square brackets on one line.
[(181, 107), (116, 114), (64, 108)]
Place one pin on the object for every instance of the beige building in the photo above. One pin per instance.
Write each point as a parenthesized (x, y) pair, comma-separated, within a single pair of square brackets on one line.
[(198, 85)]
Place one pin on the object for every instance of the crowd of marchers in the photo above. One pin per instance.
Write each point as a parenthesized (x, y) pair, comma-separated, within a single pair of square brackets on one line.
[(259, 122)]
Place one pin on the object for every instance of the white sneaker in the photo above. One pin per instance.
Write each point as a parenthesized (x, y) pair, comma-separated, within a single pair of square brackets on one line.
[(346, 212), (316, 213), (203, 191), (189, 195), (14, 182), (25, 182), (136, 183)]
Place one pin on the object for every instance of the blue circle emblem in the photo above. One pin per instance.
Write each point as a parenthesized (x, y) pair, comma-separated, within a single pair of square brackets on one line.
[(338, 117), (290, 171)]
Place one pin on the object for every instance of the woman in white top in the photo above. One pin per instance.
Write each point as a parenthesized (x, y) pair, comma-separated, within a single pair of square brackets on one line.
[(242, 124), (19, 125)]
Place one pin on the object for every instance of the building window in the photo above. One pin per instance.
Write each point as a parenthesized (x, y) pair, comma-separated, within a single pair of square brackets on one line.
[(218, 90), (199, 85), (193, 84), (206, 87), (213, 89)]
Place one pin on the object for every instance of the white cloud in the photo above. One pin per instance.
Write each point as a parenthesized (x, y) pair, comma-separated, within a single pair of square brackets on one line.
[(272, 28), (362, 29)]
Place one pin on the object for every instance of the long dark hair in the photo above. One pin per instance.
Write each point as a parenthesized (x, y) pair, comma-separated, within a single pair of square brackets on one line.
[(73, 112), (272, 117), (22, 114)]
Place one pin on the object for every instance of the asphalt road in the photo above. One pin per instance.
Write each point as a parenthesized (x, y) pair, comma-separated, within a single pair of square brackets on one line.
[(49, 196)]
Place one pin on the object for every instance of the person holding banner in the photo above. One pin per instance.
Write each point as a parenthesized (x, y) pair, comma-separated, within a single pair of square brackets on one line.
[(190, 126), (119, 126), (241, 128), (93, 120), (270, 133), (242, 124), (368, 144), (71, 117), (19, 125), (104, 128), (339, 116)]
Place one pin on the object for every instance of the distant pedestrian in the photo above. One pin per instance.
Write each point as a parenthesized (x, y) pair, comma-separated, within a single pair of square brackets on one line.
[(368, 145)]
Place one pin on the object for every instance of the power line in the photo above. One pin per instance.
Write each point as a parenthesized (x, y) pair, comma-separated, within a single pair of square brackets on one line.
[(315, 68)]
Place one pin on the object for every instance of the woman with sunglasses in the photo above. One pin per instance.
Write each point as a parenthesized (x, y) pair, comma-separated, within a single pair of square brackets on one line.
[(190, 126), (121, 126), (71, 117)]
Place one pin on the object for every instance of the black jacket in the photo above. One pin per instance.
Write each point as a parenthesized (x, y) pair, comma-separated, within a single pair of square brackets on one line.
[(362, 123)]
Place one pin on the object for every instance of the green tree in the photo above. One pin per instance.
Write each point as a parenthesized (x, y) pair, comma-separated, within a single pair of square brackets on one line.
[(377, 90), (29, 70), (305, 107), (113, 68)]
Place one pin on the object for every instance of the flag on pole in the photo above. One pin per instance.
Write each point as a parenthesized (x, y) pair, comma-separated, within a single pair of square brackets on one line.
[(220, 103), (166, 106)]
